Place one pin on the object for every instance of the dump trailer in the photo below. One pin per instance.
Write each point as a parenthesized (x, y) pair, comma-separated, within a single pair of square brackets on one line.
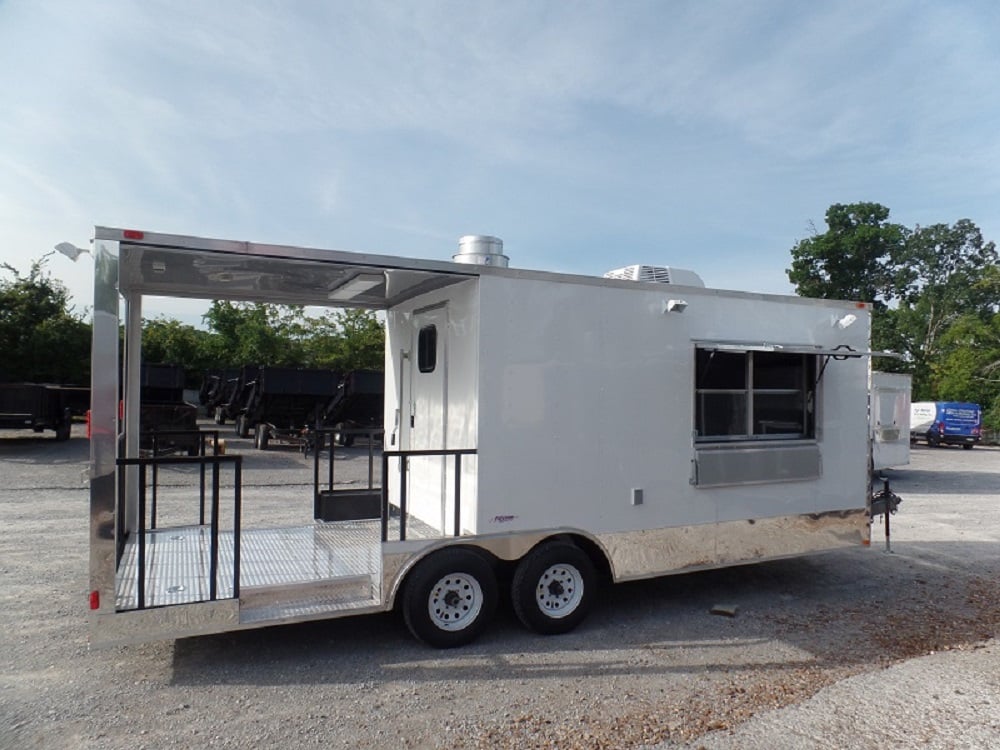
[(234, 399), (38, 407), (216, 390), (169, 423), (543, 433), (358, 406), (285, 402)]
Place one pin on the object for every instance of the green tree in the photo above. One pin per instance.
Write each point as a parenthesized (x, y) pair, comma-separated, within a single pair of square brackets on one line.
[(947, 276), (356, 341), (42, 339), (859, 257), (920, 281), (168, 341), (255, 333)]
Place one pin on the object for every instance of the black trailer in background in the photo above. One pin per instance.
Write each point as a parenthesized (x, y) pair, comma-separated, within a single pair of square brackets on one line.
[(167, 422), (233, 399), (284, 403), (357, 408), (39, 407)]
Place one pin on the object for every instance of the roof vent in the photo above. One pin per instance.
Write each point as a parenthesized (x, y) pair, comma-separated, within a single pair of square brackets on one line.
[(481, 250), (657, 274)]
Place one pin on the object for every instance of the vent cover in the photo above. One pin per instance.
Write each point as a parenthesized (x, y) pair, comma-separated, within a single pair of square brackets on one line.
[(480, 250), (656, 274)]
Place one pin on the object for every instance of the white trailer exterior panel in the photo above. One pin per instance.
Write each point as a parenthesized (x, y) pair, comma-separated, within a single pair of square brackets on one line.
[(597, 398)]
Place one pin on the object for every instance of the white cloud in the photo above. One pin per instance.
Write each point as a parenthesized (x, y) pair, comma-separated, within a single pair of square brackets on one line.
[(576, 129)]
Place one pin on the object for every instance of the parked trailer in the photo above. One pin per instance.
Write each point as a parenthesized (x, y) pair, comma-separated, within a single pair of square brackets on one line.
[(216, 390), (358, 406), (235, 400), (889, 412), (38, 407), (168, 422), (566, 428), (285, 402)]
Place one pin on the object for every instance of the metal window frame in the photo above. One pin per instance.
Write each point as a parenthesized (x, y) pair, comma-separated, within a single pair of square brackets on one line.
[(749, 392)]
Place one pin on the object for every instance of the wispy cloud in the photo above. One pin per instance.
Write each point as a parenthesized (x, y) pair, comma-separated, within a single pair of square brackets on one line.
[(585, 130)]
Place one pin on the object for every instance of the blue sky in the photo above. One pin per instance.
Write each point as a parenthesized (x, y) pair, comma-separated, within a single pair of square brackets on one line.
[(587, 135)]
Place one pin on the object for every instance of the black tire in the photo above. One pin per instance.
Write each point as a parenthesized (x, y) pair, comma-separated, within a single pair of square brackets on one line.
[(242, 426), (63, 430), (261, 437), (968, 446), (553, 588), (933, 440), (220, 416), (450, 598)]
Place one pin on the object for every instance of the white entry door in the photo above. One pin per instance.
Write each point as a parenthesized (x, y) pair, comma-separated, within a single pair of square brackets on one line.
[(425, 415)]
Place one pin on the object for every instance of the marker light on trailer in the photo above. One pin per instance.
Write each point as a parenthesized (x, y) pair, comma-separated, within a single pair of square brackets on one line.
[(132, 234), (95, 599)]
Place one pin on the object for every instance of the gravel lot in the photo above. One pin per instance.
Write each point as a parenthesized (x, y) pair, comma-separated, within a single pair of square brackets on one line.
[(650, 667)]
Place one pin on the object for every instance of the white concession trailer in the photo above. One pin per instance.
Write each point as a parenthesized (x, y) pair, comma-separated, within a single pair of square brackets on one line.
[(570, 428)]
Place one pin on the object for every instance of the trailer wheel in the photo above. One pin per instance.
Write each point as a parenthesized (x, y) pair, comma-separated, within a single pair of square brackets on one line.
[(450, 598), (63, 430), (553, 588), (261, 437)]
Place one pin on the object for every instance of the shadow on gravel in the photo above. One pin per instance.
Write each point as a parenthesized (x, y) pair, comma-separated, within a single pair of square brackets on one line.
[(43, 449), (844, 610), (959, 483)]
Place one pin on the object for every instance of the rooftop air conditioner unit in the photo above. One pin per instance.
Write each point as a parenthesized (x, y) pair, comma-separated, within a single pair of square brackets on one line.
[(657, 274)]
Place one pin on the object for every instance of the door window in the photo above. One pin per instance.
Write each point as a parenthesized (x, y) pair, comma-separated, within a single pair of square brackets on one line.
[(427, 349)]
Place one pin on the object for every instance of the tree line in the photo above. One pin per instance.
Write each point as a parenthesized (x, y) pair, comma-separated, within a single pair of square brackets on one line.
[(45, 340), (935, 294), (244, 333)]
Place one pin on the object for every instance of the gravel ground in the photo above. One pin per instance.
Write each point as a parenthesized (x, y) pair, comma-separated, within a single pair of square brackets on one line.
[(856, 648)]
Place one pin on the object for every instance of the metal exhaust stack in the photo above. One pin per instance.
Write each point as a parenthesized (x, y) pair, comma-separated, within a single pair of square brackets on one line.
[(481, 250)]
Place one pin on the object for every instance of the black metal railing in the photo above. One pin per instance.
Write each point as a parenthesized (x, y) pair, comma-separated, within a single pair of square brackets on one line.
[(196, 443), (148, 484), (404, 462), (324, 439)]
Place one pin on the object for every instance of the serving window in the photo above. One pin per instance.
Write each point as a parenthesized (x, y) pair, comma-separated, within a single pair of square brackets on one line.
[(754, 395)]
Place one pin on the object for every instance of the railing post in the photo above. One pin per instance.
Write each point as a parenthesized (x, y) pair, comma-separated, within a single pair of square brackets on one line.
[(156, 481), (237, 521), (318, 443), (403, 467), (213, 565), (385, 497), (141, 551), (458, 494), (201, 473), (371, 459)]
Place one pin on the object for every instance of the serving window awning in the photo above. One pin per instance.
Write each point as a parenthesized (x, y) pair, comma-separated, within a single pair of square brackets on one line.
[(841, 351)]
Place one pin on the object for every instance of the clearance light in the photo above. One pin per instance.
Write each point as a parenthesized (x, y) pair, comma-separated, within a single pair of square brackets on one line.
[(95, 599), (133, 234)]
